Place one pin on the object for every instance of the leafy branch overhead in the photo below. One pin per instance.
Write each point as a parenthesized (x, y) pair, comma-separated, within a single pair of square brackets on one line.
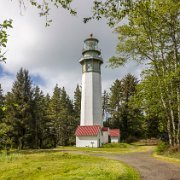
[(44, 7), (4, 26)]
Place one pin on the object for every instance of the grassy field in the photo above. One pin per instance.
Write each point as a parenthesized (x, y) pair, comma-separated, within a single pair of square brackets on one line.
[(112, 148), (170, 157), (47, 164)]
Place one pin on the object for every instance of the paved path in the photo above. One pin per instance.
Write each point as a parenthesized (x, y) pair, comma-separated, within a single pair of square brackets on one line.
[(150, 168)]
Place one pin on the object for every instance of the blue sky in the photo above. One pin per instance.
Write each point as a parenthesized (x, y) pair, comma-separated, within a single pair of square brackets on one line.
[(51, 54)]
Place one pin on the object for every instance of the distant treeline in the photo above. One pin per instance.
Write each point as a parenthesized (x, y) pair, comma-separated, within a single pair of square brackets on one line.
[(30, 119)]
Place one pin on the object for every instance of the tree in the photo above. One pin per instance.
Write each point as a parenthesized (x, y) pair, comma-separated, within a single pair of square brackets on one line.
[(66, 118), (20, 117), (123, 113), (39, 117), (54, 114), (77, 102), (151, 35)]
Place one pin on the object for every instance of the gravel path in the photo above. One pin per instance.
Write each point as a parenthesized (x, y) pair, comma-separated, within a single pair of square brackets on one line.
[(150, 168)]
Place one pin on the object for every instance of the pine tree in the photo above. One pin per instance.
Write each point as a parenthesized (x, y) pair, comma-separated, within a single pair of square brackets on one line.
[(66, 118), (20, 116), (39, 117), (123, 113), (54, 114), (77, 103)]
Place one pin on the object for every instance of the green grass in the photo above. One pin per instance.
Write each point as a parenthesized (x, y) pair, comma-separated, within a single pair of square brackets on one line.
[(47, 164), (170, 157), (112, 148)]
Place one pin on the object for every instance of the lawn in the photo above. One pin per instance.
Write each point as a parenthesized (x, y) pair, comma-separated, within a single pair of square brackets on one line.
[(50, 164), (113, 148), (170, 157)]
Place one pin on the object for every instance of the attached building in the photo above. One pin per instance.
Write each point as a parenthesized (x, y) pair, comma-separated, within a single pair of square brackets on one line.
[(114, 135), (88, 136)]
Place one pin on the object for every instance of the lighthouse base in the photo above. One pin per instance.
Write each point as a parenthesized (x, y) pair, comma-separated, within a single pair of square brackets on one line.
[(95, 136)]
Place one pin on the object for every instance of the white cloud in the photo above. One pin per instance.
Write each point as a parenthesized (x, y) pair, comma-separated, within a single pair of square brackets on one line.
[(53, 53)]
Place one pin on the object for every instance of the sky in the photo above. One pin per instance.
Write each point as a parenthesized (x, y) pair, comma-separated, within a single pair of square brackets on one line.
[(51, 54)]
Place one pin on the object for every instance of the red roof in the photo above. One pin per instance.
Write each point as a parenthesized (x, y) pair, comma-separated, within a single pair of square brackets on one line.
[(87, 130), (114, 132), (105, 129)]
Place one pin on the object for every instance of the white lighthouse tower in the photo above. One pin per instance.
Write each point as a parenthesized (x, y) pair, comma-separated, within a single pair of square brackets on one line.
[(89, 133), (91, 102)]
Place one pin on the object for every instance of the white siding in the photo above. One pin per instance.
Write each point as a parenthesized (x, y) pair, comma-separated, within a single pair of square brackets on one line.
[(114, 139), (91, 102), (105, 137), (86, 141)]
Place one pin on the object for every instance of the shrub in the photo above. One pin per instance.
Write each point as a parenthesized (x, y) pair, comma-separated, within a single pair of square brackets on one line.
[(174, 149), (131, 139), (161, 147)]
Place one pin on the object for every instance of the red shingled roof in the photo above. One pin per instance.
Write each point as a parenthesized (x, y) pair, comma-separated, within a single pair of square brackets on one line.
[(105, 129), (114, 132), (87, 130)]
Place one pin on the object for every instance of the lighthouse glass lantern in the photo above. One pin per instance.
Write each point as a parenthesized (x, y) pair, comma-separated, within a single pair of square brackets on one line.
[(91, 105)]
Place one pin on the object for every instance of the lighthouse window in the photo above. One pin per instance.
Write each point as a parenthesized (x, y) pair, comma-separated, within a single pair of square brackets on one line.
[(89, 66), (96, 66)]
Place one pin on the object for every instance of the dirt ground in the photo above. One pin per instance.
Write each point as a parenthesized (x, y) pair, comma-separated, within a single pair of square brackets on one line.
[(150, 168)]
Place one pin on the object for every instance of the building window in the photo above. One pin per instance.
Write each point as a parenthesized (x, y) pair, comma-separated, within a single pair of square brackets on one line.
[(96, 67), (89, 66)]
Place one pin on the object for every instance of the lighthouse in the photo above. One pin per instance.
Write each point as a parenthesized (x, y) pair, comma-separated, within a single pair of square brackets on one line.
[(91, 102), (90, 132)]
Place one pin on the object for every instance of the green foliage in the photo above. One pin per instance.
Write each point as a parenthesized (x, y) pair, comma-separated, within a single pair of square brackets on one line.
[(124, 114), (21, 117), (77, 102), (5, 140), (161, 147), (4, 26), (150, 35)]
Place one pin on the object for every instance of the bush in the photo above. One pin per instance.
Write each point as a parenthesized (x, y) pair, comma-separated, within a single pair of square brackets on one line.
[(131, 139), (174, 149), (162, 147)]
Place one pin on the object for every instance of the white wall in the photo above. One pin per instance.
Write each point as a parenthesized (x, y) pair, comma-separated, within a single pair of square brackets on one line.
[(85, 141), (105, 137), (91, 101), (114, 139)]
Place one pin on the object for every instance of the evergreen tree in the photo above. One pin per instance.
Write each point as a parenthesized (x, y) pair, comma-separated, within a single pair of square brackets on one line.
[(39, 117), (123, 113), (77, 102), (66, 118), (20, 116), (54, 114)]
